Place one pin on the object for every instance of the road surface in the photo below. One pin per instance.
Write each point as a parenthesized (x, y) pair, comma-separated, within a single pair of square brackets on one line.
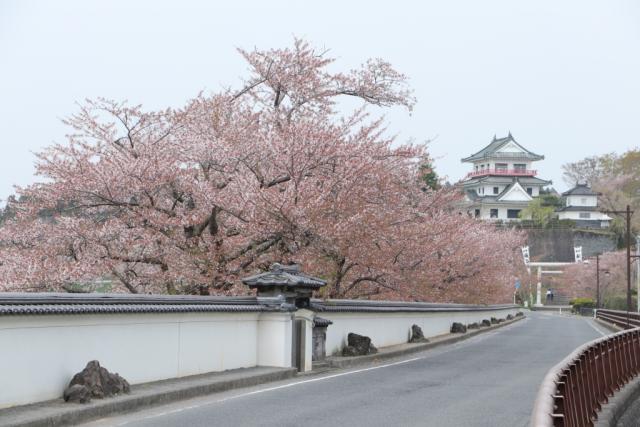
[(488, 380)]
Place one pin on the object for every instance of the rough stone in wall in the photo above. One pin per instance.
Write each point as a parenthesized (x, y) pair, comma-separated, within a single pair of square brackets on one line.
[(358, 345), (494, 321), (473, 325), (486, 322), (94, 381), (458, 328), (417, 335), (509, 316), (518, 314), (594, 242), (556, 245), (500, 320)]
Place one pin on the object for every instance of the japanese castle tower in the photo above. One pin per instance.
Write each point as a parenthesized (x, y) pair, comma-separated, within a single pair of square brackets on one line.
[(502, 181)]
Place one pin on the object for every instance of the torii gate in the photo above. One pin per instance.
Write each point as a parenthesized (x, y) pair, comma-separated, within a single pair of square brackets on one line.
[(577, 250)]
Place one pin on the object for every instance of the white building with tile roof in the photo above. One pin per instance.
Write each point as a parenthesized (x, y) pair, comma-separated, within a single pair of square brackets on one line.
[(581, 206), (502, 181)]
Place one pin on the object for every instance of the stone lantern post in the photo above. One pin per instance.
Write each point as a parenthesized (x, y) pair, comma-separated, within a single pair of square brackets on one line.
[(297, 288), (285, 280)]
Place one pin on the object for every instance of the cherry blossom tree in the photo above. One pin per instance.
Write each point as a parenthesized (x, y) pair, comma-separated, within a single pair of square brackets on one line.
[(579, 280), (188, 200)]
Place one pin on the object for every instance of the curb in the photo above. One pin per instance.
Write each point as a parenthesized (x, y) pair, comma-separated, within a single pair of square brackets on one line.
[(56, 413), (618, 404), (343, 362)]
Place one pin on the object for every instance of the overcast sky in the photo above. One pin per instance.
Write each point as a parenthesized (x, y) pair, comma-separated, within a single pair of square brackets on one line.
[(563, 76)]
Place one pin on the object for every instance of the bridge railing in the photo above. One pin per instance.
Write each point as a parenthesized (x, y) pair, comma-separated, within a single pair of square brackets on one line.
[(574, 390), (619, 318)]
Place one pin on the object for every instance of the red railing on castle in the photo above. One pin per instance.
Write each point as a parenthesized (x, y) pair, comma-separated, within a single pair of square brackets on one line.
[(503, 172)]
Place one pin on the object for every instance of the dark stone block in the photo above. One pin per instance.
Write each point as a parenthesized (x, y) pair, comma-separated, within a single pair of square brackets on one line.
[(97, 381), (358, 345), (458, 328), (486, 322), (473, 325), (509, 317), (494, 321), (417, 335), (500, 320), (518, 314), (77, 393)]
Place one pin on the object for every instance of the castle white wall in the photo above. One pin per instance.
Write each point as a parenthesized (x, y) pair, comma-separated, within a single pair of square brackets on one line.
[(582, 201), (575, 215)]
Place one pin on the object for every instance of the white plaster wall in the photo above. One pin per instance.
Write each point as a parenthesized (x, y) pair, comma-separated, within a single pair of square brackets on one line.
[(576, 215), (578, 201), (274, 339), (40, 354), (387, 329)]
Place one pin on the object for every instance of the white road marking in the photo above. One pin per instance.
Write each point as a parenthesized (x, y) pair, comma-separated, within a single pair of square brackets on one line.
[(591, 323), (264, 390), (446, 348)]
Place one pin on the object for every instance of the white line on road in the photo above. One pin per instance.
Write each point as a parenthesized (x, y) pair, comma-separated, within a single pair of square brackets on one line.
[(327, 377), (264, 390), (590, 322)]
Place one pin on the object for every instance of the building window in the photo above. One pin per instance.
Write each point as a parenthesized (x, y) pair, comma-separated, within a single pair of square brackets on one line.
[(513, 213), (476, 213), (496, 190), (502, 167), (530, 191), (585, 215), (493, 213), (519, 167)]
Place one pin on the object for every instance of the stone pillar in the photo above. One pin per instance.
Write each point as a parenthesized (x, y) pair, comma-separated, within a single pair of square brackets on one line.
[(539, 289), (305, 345)]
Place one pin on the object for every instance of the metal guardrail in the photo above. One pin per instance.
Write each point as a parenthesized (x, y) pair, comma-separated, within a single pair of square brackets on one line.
[(574, 390), (619, 318)]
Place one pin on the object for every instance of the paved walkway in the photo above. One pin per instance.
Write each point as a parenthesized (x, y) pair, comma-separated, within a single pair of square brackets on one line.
[(488, 380)]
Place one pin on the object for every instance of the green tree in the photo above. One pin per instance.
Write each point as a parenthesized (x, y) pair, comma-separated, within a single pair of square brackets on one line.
[(427, 176), (541, 210)]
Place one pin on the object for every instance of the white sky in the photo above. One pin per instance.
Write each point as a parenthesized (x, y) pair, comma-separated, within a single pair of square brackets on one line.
[(563, 76)]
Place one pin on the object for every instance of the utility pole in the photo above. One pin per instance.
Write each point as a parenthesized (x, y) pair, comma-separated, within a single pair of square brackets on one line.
[(597, 281), (638, 273), (628, 263), (627, 212)]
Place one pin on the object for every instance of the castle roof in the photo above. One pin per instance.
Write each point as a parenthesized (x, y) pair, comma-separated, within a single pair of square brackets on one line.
[(524, 180), (580, 190), (495, 150)]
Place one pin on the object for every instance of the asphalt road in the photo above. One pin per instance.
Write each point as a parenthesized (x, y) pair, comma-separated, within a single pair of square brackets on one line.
[(488, 380)]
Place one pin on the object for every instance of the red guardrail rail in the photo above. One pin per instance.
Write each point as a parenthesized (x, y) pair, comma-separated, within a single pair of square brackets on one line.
[(573, 391)]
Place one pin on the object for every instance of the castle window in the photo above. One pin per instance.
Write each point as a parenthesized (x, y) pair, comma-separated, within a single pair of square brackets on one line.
[(513, 213), (502, 167), (477, 213), (520, 167), (493, 213), (530, 191), (496, 190), (585, 215)]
